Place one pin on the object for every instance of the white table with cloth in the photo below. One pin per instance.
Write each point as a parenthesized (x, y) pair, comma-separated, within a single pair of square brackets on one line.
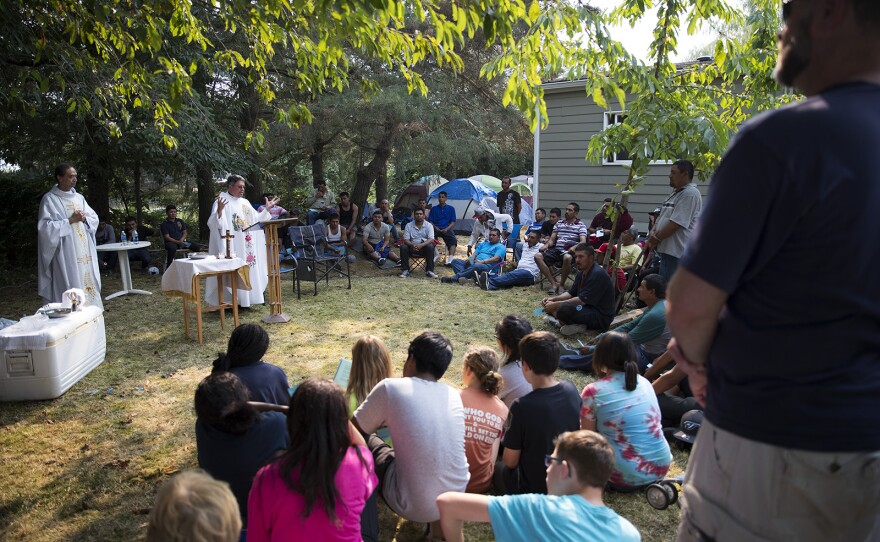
[(183, 277)]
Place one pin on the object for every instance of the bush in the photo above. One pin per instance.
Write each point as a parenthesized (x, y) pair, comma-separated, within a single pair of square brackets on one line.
[(23, 192)]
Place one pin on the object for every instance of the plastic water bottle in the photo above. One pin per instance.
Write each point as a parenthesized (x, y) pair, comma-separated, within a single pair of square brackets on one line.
[(123, 238), (134, 236)]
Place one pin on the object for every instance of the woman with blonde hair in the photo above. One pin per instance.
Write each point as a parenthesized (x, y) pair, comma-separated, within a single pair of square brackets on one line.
[(484, 415), (370, 364)]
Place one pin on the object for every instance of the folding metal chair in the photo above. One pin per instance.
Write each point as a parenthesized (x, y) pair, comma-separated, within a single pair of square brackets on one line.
[(512, 240), (312, 263)]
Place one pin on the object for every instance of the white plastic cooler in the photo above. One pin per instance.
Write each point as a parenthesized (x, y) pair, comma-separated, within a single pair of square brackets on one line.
[(43, 359)]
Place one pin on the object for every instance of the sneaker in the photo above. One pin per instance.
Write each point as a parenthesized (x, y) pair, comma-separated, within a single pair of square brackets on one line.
[(572, 329), (404, 274), (431, 274), (446, 280), (465, 280), (552, 321), (553, 290), (484, 280), (381, 262)]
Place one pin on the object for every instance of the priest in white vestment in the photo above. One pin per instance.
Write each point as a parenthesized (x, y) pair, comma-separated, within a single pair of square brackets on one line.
[(232, 212), (66, 240)]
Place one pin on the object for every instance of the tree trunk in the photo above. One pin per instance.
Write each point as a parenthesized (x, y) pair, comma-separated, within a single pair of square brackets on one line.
[(207, 193), (138, 202), (97, 170), (316, 157), (382, 183), (254, 189), (248, 121), (377, 167)]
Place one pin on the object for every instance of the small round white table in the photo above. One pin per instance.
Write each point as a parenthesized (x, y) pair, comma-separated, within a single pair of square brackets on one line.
[(124, 269)]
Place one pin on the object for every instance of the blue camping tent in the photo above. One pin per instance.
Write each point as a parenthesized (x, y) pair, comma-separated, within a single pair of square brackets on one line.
[(464, 195)]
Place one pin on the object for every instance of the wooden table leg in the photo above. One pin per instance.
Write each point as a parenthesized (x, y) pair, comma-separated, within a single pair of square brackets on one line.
[(221, 306), (185, 316), (234, 297), (197, 292)]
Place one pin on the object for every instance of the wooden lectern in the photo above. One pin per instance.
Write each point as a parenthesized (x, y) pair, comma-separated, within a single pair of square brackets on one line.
[(270, 228)]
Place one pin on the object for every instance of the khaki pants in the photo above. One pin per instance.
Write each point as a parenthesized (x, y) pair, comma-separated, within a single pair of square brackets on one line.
[(741, 490)]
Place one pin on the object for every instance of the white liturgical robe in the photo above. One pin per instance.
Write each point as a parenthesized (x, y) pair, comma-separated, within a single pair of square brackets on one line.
[(67, 255), (250, 246)]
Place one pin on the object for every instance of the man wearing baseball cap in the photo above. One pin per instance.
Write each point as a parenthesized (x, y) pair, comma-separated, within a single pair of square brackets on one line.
[(485, 220)]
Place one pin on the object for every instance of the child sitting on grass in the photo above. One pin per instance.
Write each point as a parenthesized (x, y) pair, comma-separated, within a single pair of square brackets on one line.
[(536, 418), (484, 415), (622, 406), (577, 470)]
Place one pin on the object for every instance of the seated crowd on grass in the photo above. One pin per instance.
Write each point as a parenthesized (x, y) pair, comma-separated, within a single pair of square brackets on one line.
[(312, 462)]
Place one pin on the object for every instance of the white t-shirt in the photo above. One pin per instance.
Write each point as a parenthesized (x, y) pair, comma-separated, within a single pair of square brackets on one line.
[(515, 383), (426, 422), (527, 261)]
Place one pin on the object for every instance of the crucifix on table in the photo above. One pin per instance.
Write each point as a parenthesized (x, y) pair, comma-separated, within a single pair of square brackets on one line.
[(229, 237)]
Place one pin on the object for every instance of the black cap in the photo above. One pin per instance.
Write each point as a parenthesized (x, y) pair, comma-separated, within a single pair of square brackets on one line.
[(690, 426)]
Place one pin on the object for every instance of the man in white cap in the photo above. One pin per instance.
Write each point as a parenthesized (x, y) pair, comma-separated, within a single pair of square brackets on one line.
[(484, 221)]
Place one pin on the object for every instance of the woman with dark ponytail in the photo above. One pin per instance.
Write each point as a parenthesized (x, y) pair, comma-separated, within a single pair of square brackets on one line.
[(508, 332), (622, 406), (484, 415), (233, 439), (244, 358)]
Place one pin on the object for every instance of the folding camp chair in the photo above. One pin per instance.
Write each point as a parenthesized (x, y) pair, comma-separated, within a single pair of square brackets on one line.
[(417, 262), (512, 240), (315, 263)]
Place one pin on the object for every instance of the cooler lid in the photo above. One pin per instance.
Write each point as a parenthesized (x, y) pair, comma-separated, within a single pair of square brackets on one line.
[(37, 334)]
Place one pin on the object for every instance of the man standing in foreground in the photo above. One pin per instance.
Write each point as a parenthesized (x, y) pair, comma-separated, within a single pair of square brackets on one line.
[(577, 472), (66, 242), (789, 448)]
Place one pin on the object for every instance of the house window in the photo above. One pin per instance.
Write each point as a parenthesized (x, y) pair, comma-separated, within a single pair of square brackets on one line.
[(617, 117), (612, 118)]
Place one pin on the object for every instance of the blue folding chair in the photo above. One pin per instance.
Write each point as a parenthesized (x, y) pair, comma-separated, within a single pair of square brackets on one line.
[(512, 239)]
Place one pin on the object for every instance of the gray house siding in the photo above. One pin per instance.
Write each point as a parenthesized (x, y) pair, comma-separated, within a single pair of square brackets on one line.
[(565, 175)]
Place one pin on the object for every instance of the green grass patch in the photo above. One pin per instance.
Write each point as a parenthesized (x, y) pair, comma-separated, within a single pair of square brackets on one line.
[(86, 466)]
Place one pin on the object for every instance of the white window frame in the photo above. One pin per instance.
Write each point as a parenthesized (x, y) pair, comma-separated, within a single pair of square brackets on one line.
[(615, 161)]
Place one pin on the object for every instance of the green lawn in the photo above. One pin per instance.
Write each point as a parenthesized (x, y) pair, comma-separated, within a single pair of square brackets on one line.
[(86, 466)]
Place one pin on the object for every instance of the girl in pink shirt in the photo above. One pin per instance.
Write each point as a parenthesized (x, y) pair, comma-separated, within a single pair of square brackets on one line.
[(318, 488)]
